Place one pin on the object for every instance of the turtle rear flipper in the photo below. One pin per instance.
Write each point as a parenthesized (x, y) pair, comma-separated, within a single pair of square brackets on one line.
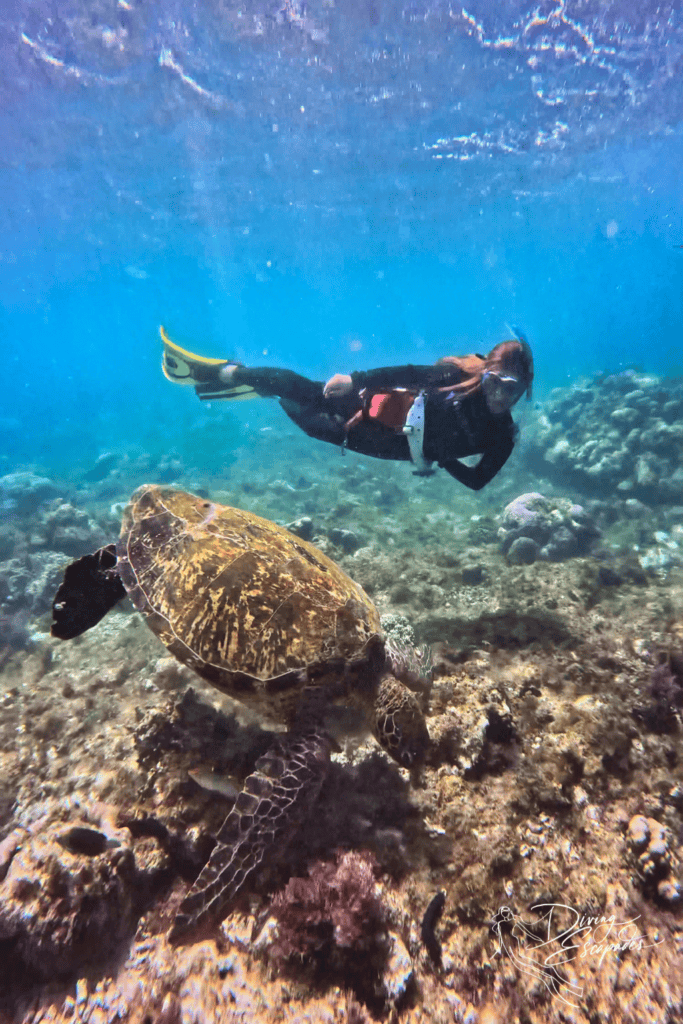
[(91, 588), (275, 800)]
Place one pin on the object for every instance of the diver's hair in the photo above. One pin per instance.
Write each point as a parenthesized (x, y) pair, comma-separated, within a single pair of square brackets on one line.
[(509, 357)]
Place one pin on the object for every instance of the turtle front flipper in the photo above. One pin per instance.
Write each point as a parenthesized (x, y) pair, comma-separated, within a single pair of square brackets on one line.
[(275, 800), (399, 723), (91, 587)]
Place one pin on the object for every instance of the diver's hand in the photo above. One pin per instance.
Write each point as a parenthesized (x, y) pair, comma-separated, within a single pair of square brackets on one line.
[(340, 384)]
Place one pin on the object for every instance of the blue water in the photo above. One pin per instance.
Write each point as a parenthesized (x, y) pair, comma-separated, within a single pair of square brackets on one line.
[(329, 186)]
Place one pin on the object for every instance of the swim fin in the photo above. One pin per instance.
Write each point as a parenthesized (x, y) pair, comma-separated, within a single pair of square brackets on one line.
[(184, 367)]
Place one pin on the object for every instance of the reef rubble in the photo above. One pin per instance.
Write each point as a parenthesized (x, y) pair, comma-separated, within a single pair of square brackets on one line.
[(538, 782), (549, 812)]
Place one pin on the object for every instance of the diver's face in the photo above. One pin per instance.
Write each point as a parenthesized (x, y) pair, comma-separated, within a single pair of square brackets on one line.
[(501, 391)]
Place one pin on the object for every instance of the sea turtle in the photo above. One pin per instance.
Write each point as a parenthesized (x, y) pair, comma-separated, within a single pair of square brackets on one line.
[(268, 619)]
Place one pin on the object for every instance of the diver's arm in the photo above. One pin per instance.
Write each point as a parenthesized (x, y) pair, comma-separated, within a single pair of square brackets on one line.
[(411, 377), (491, 462)]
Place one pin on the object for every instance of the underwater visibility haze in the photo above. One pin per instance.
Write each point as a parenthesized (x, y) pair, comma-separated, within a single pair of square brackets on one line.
[(297, 178), (329, 187)]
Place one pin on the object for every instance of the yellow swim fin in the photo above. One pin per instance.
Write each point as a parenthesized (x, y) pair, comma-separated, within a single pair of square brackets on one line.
[(183, 367)]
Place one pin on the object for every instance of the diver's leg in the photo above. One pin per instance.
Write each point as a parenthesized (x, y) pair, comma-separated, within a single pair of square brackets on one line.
[(317, 419), (265, 381), (302, 399), (226, 378), (270, 381)]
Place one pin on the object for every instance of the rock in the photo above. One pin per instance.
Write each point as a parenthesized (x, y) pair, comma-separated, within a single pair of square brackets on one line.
[(11, 538), (473, 575), (563, 544), (302, 527), (638, 832), (169, 674), (398, 970), (29, 583), (552, 529), (59, 909), (169, 469), (104, 464), (14, 632), (665, 554), (670, 890), (523, 551), (674, 518), (635, 509), (345, 539)]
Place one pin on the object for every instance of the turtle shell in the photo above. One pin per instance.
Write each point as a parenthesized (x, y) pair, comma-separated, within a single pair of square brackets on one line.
[(249, 606)]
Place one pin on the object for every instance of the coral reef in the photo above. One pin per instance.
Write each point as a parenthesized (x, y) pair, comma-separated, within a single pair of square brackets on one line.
[(14, 634), (202, 983), (23, 491), (67, 529), (662, 713), (338, 906), (70, 892), (651, 843), (537, 770), (555, 777), (618, 433), (38, 541)]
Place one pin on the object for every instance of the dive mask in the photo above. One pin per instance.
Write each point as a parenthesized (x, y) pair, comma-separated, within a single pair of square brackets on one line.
[(502, 390)]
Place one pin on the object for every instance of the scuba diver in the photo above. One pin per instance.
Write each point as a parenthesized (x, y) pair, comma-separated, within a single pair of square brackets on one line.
[(439, 414)]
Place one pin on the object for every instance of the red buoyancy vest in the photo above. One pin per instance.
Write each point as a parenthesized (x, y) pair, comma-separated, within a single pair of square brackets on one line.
[(390, 409)]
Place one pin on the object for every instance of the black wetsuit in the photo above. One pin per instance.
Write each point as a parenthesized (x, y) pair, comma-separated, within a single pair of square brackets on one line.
[(454, 427)]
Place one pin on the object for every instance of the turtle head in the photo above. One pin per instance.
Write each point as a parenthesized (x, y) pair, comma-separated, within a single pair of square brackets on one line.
[(399, 724)]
